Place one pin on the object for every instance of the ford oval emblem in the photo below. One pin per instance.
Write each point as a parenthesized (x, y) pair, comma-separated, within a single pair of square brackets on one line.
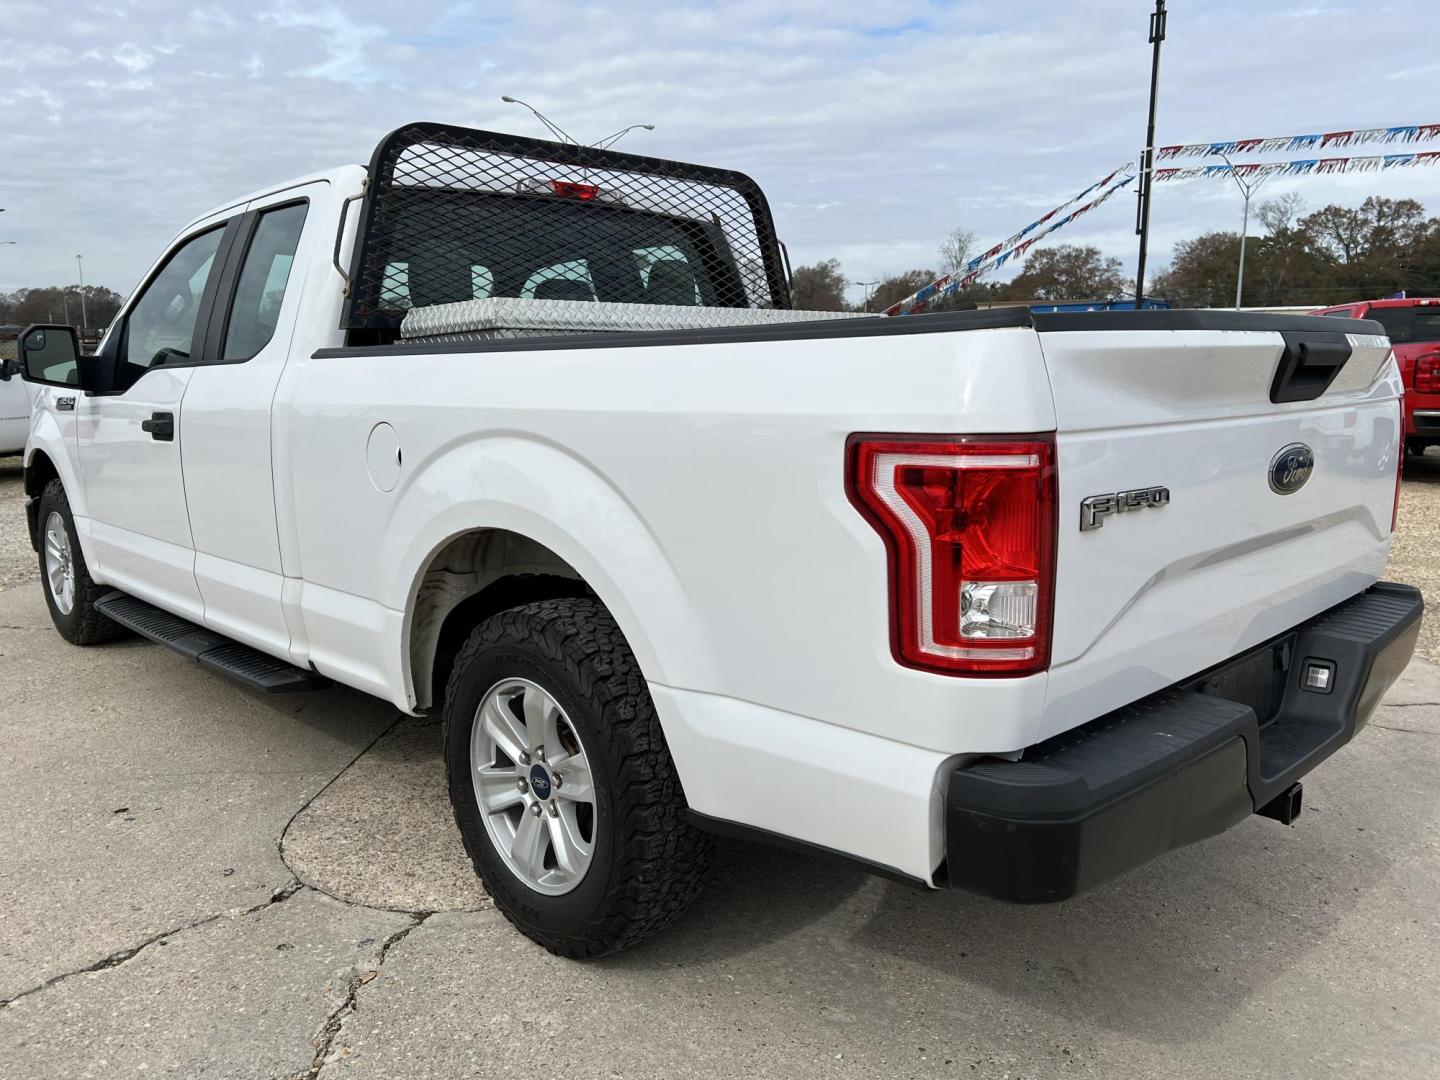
[(1291, 468)]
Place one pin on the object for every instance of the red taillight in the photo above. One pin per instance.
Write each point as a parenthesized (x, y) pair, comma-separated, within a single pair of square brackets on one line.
[(1399, 473), (969, 524), (1427, 374), (570, 189)]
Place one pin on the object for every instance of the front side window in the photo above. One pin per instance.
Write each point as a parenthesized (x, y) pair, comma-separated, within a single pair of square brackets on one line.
[(261, 286), (160, 328)]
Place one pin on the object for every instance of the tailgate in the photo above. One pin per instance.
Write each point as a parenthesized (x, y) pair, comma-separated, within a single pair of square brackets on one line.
[(1245, 546)]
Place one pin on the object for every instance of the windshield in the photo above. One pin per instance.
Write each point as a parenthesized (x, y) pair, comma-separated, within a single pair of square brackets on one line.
[(1408, 324)]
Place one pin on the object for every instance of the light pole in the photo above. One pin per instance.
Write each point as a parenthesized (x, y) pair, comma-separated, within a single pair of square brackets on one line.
[(1142, 226), (555, 129), (868, 285), (1246, 190), (611, 140), (80, 262)]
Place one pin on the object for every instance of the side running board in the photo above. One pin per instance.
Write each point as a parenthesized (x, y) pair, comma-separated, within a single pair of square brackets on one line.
[(255, 669)]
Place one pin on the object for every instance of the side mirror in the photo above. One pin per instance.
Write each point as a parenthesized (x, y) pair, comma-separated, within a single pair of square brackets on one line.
[(50, 354)]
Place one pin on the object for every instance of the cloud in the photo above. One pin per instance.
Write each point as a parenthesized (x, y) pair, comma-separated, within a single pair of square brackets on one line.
[(875, 126), (132, 58)]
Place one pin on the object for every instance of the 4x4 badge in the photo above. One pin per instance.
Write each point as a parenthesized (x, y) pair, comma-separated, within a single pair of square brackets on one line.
[(1095, 509)]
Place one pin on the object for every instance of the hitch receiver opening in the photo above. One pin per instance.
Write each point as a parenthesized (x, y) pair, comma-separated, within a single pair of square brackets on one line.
[(1285, 807)]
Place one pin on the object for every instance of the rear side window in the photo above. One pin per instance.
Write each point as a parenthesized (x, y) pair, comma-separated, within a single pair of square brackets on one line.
[(263, 277), (1405, 325)]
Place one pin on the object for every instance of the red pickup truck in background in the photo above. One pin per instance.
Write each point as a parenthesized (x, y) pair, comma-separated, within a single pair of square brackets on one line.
[(1414, 329)]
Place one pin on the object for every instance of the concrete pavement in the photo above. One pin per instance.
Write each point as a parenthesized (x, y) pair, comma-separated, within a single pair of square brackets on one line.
[(150, 923)]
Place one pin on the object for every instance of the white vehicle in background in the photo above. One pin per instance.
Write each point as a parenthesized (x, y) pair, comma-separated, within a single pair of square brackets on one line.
[(523, 433), (16, 396)]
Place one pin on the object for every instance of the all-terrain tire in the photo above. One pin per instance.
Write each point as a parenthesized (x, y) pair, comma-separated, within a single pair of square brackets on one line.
[(83, 624), (649, 862)]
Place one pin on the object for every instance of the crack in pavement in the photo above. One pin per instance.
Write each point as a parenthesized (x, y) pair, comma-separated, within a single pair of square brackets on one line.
[(325, 1052), (335, 1020), (282, 893), (115, 959), (1402, 730)]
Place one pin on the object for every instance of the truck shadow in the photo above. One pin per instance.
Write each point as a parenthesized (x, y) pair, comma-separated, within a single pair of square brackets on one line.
[(1423, 469), (1167, 954)]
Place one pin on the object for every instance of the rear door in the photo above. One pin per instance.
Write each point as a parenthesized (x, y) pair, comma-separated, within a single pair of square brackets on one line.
[(1243, 543), (228, 451)]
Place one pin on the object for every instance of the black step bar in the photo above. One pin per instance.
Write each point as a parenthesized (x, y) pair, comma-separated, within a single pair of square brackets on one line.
[(213, 650)]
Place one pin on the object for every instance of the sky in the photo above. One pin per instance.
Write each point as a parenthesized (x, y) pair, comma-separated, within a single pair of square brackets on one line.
[(874, 126)]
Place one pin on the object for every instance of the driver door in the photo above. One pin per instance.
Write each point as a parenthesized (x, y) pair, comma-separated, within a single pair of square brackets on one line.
[(129, 431)]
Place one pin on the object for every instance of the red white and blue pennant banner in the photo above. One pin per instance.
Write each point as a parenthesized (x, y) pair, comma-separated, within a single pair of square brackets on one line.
[(1406, 133), (1013, 247), (1300, 167)]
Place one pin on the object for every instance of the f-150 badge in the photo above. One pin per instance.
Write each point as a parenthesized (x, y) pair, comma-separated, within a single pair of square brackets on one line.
[(1095, 509)]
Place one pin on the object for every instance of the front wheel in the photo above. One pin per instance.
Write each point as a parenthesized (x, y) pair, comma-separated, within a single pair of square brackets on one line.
[(564, 791), (70, 593)]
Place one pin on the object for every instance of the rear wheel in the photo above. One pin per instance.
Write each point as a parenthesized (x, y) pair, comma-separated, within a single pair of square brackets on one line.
[(70, 593), (562, 786), (1415, 447)]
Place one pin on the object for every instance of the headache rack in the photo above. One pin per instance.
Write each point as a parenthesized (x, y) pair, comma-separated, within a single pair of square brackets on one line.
[(452, 215)]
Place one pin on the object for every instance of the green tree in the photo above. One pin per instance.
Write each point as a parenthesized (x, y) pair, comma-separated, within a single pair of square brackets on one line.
[(1068, 272), (897, 287), (60, 303), (818, 287)]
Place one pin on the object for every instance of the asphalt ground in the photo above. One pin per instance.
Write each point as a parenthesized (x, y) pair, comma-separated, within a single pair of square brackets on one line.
[(200, 881)]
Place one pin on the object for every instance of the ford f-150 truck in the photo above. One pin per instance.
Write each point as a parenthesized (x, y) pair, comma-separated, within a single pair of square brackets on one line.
[(526, 433), (1413, 327)]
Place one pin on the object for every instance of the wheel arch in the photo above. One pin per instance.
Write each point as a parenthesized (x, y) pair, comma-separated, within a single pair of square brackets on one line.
[(509, 506)]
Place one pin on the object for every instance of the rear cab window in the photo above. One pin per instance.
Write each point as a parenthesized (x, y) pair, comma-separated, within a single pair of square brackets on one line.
[(1409, 325), (544, 247)]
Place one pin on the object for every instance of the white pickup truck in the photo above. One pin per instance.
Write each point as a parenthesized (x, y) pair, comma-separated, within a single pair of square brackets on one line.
[(523, 432)]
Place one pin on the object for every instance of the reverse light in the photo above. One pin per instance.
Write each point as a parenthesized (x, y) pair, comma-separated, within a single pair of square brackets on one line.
[(969, 527)]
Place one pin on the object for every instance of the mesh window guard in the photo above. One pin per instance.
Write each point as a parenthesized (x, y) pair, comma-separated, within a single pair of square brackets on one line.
[(454, 214)]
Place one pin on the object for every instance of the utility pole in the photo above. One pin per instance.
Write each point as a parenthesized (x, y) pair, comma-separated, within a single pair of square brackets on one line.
[(1142, 225), (1246, 190), (868, 285), (80, 262)]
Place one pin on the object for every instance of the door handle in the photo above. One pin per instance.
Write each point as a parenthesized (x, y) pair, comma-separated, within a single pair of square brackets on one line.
[(161, 426)]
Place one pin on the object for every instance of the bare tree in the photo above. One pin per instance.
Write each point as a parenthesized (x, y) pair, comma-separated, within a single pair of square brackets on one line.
[(1280, 214), (956, 248)]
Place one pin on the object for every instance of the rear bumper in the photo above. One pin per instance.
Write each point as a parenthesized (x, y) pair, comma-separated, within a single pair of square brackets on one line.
[(1181, 765), (1422, 422)]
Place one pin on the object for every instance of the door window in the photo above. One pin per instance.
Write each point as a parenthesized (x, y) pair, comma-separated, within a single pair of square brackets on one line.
[(161, 326), (261, 286)]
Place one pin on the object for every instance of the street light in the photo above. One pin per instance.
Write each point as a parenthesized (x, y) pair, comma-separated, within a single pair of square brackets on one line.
[(80, 262), (555, 129), (1246, 190), (611, 140), (868, 285)]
